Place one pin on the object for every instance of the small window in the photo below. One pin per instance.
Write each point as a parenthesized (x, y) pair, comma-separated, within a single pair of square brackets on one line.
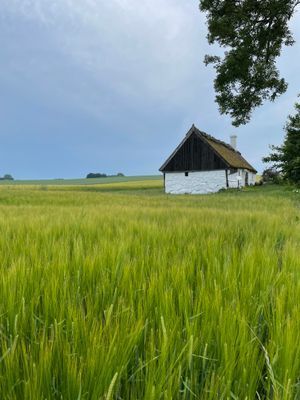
[(186, 174)]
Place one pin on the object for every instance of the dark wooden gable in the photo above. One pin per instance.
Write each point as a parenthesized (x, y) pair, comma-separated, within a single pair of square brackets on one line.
[(195, 154)]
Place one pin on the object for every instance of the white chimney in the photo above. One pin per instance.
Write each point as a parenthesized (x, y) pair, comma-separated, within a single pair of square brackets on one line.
[(233, 139)]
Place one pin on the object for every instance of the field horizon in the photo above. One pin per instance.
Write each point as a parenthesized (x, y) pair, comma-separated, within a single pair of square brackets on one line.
[(81, 181)]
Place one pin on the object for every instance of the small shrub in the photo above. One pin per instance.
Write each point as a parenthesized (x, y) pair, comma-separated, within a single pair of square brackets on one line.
[(271, 175)]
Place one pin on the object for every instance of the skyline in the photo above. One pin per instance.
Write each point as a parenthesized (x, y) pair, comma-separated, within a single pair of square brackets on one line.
[(97, 87)]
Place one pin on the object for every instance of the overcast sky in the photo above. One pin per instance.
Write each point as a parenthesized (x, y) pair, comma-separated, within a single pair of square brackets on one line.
[(113, 86)]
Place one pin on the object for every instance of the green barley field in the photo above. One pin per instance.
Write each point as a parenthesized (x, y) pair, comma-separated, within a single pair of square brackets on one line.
[(83, 181), (117, 291)]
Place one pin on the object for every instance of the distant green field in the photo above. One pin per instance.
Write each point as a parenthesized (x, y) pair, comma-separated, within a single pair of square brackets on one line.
[(117, 291), (93, 181)]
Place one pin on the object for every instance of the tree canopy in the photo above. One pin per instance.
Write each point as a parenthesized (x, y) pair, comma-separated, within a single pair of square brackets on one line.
[(286, 158), (7, 177), (93, 175), (253, 33)]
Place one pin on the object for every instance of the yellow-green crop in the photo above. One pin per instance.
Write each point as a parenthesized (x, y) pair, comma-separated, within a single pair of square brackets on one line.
[(122, 292)]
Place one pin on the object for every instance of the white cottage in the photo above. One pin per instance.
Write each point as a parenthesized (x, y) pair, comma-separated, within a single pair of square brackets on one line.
[(202, 164)]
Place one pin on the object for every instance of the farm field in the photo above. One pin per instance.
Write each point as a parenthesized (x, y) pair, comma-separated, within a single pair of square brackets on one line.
[(83, 181), (117, 291)]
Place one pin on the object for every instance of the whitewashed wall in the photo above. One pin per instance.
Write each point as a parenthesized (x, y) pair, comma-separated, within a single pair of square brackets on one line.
[(205, 181), (252, 178), (233, 178), (195, 183)]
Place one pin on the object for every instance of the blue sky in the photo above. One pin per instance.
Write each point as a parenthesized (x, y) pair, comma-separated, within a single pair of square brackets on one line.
[(110, 86)]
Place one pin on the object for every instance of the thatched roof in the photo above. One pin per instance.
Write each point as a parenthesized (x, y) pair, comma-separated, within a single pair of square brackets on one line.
[(231, 157)]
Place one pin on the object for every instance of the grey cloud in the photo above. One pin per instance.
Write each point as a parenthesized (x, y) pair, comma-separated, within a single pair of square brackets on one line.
[(133, 66)]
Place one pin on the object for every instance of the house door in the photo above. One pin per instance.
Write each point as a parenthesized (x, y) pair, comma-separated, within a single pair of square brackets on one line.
[(246, 179)]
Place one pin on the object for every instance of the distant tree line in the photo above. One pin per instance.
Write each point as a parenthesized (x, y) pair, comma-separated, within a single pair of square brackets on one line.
[(93, 175), (96, 175), (6, 177)]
